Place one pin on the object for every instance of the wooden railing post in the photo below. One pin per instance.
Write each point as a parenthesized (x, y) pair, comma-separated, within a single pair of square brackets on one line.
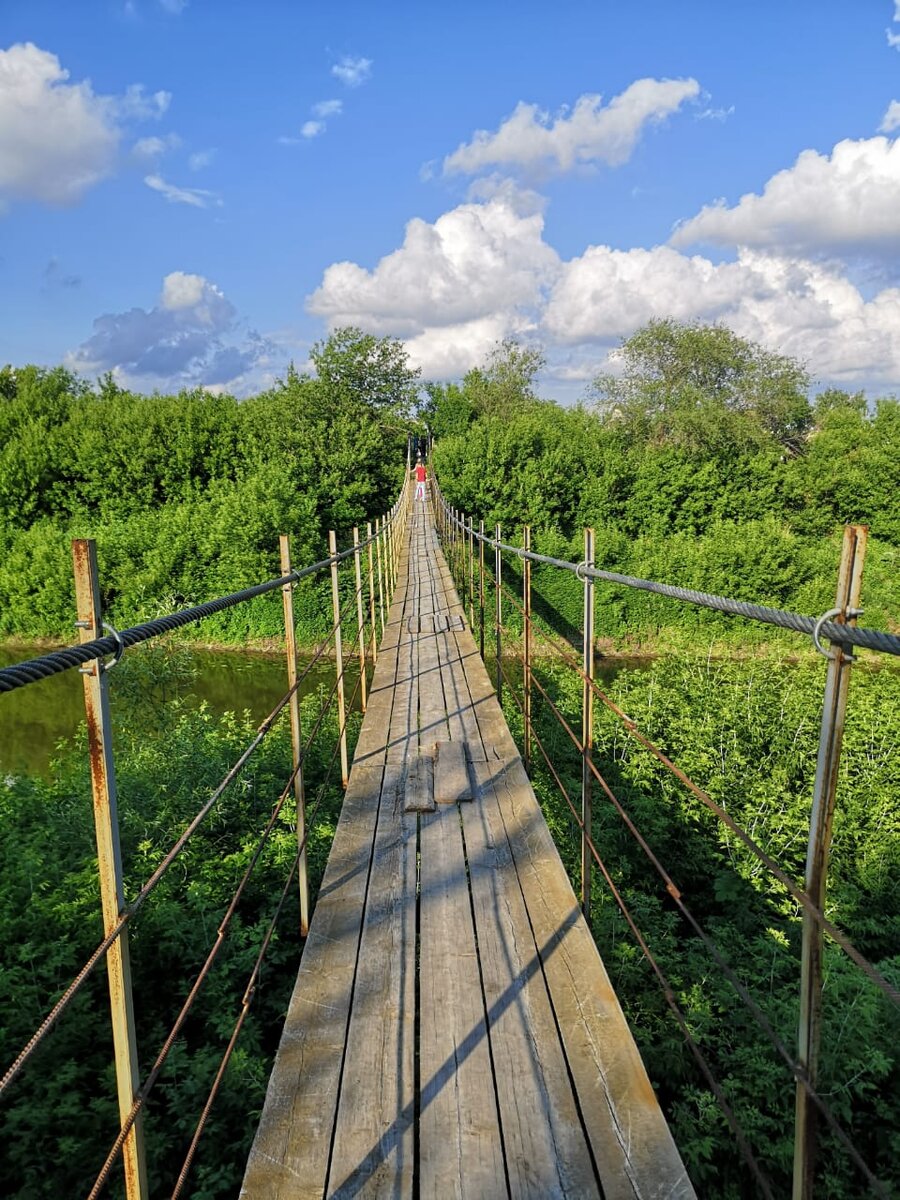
[(481, 589), (587, 726), (109, 865), (831, 734), (378, 541), (360, 619), (339, 658), (290, 640), (498, 612), (526, 658)]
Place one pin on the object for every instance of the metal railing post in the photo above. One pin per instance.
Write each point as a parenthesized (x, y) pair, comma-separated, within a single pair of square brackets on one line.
[(498, 611), (481, 589), (587, 726), (371, 556), (339, 658), (471, 572), (290, 639), (378, 554), (526, 663), (109, 865), (820, 827), (360, 619)]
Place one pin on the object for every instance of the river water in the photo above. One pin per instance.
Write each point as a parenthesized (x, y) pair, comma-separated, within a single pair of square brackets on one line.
[(34, 719)]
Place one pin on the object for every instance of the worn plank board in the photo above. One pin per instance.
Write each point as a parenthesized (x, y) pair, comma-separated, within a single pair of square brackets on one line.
[(547, 1151), (419, 790), (460, 1151), (374, 1134), (451, 773), (303, 1087)]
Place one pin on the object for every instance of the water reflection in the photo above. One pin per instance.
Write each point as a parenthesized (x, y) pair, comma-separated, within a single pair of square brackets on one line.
[(35, 719)]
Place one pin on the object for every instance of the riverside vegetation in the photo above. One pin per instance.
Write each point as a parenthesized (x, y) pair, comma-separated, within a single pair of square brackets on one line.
[(702, 462)]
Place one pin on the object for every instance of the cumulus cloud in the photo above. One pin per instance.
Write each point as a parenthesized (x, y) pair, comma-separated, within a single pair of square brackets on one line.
[(795, 306), (352, 72), (195, 197), (590, 133), (483, 271), (893, 39), (891, 119), (328, 108), (845, 202), (312, 129), (477, 273), (148, 149), (58, 139), (187, 339)]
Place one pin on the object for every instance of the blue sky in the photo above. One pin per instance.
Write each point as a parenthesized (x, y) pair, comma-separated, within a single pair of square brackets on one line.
[(192, 192)]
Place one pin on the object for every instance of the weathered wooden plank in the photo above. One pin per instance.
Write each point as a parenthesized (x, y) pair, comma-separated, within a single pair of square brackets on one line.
[(451, 773), (419, 789), (460, 1151), (374, 1134), (632, 1144), (547, 1152), (289, 1156)]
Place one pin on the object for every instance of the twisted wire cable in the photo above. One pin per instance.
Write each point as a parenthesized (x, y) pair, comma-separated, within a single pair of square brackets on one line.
[(21, 674), (871, 639)]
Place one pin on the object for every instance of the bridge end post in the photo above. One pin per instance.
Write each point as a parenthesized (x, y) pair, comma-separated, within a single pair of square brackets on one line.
[(526, 655)]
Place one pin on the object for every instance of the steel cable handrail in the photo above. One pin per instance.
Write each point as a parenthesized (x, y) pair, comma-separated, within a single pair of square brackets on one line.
[(756, 1012), (132, 908), (21, 674), (835, 631), (668, 991), (799, 894)]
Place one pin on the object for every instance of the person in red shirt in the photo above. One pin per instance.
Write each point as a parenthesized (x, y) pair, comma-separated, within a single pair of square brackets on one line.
[(421, 476)]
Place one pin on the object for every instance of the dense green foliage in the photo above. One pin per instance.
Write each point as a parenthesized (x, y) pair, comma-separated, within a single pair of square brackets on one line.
[(60, 1117), (186, 495), (748, 734), (703, 464)]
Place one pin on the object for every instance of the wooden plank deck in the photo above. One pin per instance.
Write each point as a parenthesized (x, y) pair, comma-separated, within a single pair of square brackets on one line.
[(452, 1031)]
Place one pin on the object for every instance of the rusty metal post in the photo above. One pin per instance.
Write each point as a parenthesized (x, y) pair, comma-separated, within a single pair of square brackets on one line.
[(831, 735), (481, 588), (471, 572), (526, 658), (360, 619), (371, 557), (378, 541), (109, 864), (587, 726), (287, 597), (339, 658), (498, 611)]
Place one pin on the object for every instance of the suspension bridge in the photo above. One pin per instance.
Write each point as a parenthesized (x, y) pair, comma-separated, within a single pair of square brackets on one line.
[(452, 1030)]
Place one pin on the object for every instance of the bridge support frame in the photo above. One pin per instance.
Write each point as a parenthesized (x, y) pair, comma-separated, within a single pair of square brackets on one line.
[(109, 865), (587, 726), (290, 639), (831, 735)]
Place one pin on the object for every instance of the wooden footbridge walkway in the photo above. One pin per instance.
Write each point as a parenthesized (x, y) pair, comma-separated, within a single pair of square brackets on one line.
[(452, 1031)]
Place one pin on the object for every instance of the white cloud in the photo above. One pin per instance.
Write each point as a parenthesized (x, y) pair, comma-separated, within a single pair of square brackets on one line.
[(328, 108), (477, 264), (592, 132), (715, 114), (848, 202), (195, 197), (58, 139), (893, 39), (483, 271), (791, 305), (200, 159), (891, 119), (176, 7), (312, 129), (353, 72), (151, 148), (187, 339)]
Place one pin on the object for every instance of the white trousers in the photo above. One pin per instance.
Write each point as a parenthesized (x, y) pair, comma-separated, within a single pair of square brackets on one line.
[(420, 491)]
